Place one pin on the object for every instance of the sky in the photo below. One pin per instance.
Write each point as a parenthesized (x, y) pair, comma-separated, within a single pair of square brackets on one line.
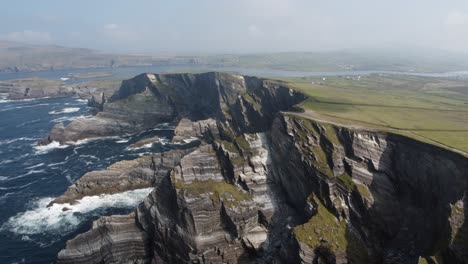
[(237, 26)]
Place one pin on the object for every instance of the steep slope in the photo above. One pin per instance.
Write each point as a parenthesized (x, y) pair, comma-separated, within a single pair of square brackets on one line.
[(150, 99), (269, 187)]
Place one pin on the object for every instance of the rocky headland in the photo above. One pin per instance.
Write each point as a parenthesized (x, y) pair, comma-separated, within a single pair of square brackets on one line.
[(265, 186), (96, 92)]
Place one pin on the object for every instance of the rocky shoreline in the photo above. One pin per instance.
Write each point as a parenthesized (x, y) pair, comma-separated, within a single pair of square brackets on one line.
[(265, 186)]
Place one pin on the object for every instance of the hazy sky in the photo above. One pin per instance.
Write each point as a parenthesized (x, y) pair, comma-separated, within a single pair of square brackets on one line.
[(200, 26)]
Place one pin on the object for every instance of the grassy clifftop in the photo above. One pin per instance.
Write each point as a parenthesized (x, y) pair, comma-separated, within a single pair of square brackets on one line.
[(428, 109)]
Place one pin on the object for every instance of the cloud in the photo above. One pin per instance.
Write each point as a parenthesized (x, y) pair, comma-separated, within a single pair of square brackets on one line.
[(456, 18), (28, 36)]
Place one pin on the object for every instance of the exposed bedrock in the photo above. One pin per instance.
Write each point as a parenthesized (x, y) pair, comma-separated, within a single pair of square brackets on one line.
[(392, 199), (123, 176), (269, 187), (249, 103), (112, 239)]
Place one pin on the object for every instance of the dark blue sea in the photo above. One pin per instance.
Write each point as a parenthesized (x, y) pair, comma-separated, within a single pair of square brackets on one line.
[(31, 176)]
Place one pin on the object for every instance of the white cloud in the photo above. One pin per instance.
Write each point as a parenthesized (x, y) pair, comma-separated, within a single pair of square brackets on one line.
[(28, 36), (457, 18)]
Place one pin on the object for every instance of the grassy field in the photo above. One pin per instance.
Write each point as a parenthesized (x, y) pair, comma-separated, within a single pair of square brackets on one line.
[(432, 110)]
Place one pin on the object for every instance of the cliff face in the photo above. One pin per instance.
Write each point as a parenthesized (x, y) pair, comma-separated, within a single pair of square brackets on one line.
[(269, 187), (150, 99), (396, 198)]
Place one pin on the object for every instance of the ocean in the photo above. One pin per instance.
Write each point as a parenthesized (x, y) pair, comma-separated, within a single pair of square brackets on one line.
[(31, 176)]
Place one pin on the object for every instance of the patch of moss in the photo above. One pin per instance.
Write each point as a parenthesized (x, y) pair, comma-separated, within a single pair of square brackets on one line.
[(321, 162), (242, 143), (324, 230), (330, 133), (237, 160), (363, 191), (228, 146), (247, 97), (346, 181), (228, 135), (230, 194)]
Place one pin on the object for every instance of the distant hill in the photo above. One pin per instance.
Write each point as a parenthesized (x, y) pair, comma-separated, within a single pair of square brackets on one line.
[(384, 59), (22, 57), (15, 57)]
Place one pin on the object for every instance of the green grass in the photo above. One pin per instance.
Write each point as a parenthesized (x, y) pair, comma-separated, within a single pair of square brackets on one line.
[(419, 107), (346, 181), (326, 231), (229, 194)]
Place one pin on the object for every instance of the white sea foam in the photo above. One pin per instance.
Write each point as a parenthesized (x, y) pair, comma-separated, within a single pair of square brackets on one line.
[(49, 147), (6, 161), (65, 111), (25, 174), (122, 141), (3, 178), (87, 140), (149, 145), (55, 164), (22, 106), (69, 118), (9, 141), (82, 100), (29, 122), (54, 220), (36, 166), (89, 156)]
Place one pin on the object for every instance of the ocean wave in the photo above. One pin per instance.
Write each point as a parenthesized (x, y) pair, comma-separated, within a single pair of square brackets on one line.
[(49, 147), (3, 197), (87, 140), (63, 218), (145, 146), (23, 106), (89, 156), (55, 164), (35, 166), (9, 141), (6, 161), (24, 175), (82, 101), (29, 122), (67, 110), (122, 141), (69, 118)]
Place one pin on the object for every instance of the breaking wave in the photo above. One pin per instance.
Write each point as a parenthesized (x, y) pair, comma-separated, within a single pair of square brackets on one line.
[(62, 218), (65, 111), (49, 147)]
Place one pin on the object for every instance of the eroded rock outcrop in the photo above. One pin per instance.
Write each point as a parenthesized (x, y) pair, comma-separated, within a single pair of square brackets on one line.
[(387, 198), (123, 176), (249, 103), (269, 187)]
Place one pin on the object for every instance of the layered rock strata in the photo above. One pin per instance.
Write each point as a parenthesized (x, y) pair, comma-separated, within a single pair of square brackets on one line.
[(150, 99), (123, 176), (269, 187)]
